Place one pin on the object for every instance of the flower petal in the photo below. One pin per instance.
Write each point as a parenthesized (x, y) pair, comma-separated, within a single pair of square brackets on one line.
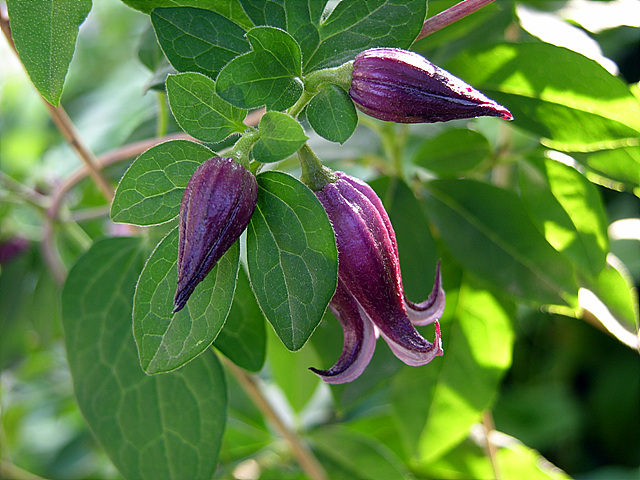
[(412, 349), (359, 339), (431, 309)]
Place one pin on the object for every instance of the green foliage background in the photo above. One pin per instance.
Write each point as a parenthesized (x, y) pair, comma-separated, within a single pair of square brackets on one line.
[(521, 214)]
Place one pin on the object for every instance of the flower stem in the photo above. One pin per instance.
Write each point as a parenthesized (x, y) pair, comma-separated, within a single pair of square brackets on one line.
[(451, 15), (240, 151), (314, 174)]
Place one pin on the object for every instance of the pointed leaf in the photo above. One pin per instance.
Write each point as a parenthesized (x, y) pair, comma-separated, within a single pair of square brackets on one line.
[(150, 191), (167, 426), (198, 40), (167, 340), (45, 36), (292, 257), (243, 338), (200, 111), (332, 114), (280, 136), (268, 75), (489, 231)]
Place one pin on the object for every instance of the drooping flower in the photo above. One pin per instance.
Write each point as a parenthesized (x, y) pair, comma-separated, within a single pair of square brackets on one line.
[(404, 87), (216, 208), (369, 297)]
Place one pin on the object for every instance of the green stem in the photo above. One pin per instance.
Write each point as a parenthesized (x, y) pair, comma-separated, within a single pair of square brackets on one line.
[(314, 174), (240, 151), (163, 115), (305, 98)]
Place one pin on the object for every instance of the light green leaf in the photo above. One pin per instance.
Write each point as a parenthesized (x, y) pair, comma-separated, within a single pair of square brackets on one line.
[(200, 111), (488, 230), (544, 88), (619, 165), (477, 338), (292, 257), (280, 136), (268, 75), (453, 151), (198, 40), (150, 191), (356, 25), (167, 340), (243, 338), (45, 33), (332, 115), (569, 211), (166, 426)]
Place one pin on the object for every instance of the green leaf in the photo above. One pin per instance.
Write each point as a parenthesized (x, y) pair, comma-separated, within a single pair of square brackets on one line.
[(356, 25), (453, 151), (198, 40), (166, 426), (332, 115), (543, 87), (568, 210), (620, 165), (280, 136), (167, 340), (243, 338), (200, 111), (266, 12), (150, 191), (292, 257), (350, 455), (477, 338), (45, 35), (303, 18), (489, 231), (230, 9), (268, 75)]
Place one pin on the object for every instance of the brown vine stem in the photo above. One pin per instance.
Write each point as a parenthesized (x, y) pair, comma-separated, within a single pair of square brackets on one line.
[(492, 451), (451, 15), (66, 127), (308, 462)]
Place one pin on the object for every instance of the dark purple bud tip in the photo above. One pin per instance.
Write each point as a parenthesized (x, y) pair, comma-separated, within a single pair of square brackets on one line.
[(216, 208), (401, 86)]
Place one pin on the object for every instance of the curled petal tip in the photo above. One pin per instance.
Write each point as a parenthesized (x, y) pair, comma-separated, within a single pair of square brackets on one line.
[(432, 308)]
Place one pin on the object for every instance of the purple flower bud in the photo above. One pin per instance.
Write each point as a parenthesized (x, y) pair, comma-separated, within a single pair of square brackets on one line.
[(404, 87), (370, 297), (216, 208)]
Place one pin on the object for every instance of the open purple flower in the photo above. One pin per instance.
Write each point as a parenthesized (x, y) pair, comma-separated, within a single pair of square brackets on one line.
[(369, 297), (216, 208), (403, 87)]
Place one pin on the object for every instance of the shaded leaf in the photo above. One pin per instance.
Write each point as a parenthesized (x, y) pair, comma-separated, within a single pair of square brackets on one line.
[(280, 136), (167, 426), (45, 36), (332, 114), (150, 191), (198, 40), (292, 257), (303, 18), (200, 111), (453, 151), (266, 12), (268, 75), (167, 340), (243, 338), (230, 9), (488, 230)]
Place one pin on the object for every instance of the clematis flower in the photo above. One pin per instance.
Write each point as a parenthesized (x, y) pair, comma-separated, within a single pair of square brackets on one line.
[(369, 297), (216, 208), (403, 87)]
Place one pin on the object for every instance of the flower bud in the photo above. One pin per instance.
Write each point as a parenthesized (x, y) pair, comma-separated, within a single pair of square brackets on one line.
[(403, 87), (216, 208)]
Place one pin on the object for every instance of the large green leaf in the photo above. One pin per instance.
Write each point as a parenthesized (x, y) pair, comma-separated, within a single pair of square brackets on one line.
[(356, 25), (150, 191), (620, 165), (231, 9), (477, 338), (167, 340), (332, 114), (566, 98), (303, 18), (453, 151), (266, 12), (200, 111), (45, 35), (292, 257), (280, 136), (166, 426), (198, 40), (268, 75), (489, 231), (243, 338), (569, 211)]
